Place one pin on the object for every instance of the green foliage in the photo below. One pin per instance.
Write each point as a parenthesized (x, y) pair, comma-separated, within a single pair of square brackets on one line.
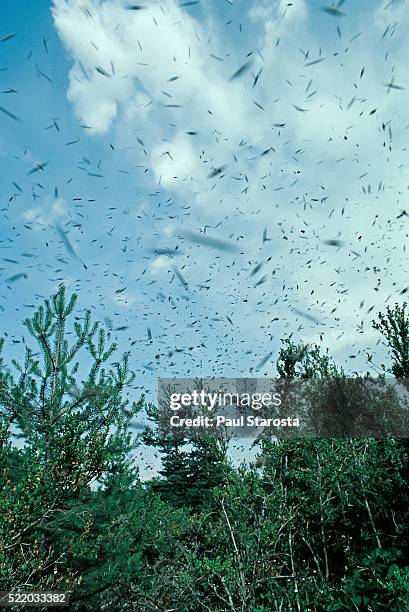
[(68, 410), (320, 525), (191, 468), (116, 537), (394, 326), (304, 361)]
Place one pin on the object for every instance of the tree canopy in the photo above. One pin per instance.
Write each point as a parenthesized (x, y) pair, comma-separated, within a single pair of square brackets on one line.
[(314, 524)]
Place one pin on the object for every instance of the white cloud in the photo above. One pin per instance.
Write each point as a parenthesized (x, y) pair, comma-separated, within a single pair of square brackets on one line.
[(160, 263), (135, 50), (48, 214), (174, 161)]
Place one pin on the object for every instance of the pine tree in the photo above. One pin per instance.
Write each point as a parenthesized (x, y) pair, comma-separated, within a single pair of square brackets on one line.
[(192, 464), (68, 407)]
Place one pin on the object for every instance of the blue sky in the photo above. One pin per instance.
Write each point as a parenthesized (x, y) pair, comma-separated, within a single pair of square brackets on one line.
[(314, 151)]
